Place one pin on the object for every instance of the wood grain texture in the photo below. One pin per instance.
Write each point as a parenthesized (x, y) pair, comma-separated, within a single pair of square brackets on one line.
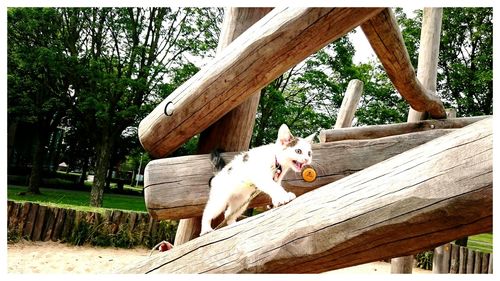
[(378, 131), (233, 131), (281, 39), (349, 104), (382, 31), (462, 266), (428, 54), (455, 258), (177, 187), (439, 191)]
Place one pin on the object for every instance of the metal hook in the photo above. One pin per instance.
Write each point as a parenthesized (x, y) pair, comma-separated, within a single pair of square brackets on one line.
[(169, 108)]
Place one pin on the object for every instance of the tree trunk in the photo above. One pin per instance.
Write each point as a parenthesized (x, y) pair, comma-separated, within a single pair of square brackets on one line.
[(102, 164), (85, 168), (37, 162)]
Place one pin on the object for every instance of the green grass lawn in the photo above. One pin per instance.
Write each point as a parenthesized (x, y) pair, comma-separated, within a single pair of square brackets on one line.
[(78, 200), (481, 242)]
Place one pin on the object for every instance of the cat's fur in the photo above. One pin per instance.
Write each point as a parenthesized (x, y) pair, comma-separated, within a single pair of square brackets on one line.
[(256, 168)]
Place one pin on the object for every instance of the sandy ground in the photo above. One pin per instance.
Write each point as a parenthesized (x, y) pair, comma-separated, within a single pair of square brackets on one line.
[(52, 257)]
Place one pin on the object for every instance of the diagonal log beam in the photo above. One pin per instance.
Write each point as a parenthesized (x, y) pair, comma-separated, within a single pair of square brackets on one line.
[(434, 193), (382, 31), (280, 40)]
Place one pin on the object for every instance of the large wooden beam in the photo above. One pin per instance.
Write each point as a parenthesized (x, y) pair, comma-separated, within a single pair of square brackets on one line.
[(419, 199), (233, 131), (427, 75), (177, 187), (386, 40), (378, 131), (283, 38)]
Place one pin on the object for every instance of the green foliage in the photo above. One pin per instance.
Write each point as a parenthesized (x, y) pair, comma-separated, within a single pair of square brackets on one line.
[(465, 66), (424, 260), (14, 235), (99, 234)]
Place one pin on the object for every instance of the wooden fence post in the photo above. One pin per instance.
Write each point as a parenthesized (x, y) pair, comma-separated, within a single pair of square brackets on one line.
[(470, 261), (462, 268), (441, 260), (477, 262), (490, 264), (455, 258)]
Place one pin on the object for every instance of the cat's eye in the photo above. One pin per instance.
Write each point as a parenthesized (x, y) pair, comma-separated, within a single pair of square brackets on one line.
[(298, 151), (309, 153)]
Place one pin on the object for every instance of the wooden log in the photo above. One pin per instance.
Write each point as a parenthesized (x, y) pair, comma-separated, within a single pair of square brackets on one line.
[(115, 220), (10, 205), (442, 190), (477, 262), (378, 131), (144, 227), (454, 258), (50, 222), (58, 227), (69, 221), (23, 216), (38, 224), (232, 132), (462, 268), (427, 59), (13, 217), (484, 262), (428, 55), (30, 220), (184, 191), (441, 259), (401, 265), (349, 104), (382, 31), (280, 40), (470, 261), (490, 264), (132, 221)]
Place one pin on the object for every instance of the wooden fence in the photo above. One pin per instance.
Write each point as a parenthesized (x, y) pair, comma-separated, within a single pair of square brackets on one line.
[(451, 258), (36, 222)]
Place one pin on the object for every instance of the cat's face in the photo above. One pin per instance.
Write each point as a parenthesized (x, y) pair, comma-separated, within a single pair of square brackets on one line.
[(296, 151)]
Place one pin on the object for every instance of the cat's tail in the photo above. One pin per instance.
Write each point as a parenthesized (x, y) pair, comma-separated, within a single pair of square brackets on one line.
[(217, 162)]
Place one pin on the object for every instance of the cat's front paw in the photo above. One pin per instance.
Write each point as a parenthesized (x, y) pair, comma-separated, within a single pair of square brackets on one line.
[(206, 231), (283, 198)]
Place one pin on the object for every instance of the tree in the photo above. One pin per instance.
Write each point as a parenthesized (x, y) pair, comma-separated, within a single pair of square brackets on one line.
[(308, 96), (123, 55), (466, 60), (465, 67), (37, 78)]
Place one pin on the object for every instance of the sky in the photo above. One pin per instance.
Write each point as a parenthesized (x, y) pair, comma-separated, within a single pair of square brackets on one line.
[(364, 51)]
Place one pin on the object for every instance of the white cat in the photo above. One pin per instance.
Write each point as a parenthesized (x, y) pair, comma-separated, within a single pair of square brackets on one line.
[(263, 168)]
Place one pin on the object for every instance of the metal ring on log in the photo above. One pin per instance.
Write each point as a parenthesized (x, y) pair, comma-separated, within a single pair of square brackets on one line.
[(169, 108)]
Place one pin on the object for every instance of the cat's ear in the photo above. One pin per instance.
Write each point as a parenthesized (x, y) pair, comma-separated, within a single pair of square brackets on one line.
[(310, 138), (284, 135)]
